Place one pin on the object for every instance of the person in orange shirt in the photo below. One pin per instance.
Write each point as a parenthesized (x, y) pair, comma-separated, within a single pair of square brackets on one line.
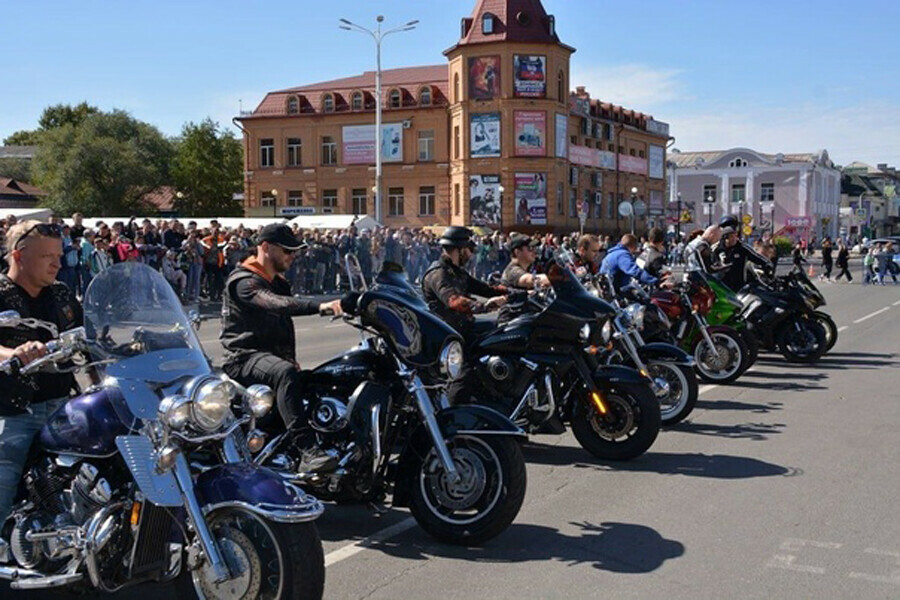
[(214, 261)]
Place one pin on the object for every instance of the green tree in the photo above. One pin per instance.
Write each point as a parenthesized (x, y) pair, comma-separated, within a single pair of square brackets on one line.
[(52, 117), (17, 168), (23, 138), (207, 170), (101, 165)]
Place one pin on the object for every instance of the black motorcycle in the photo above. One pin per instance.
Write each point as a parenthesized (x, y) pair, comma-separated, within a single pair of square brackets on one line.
[(535, 369), (377, 410)]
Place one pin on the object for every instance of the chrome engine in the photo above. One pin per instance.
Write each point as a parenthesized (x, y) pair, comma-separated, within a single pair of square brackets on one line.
[(328, 415)]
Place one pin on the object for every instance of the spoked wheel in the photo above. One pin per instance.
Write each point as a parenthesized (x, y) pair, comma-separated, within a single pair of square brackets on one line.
[(627, 429), (723, 362), (267, 560), (482, 502), (802, 340), (831, 330), (679, 390)]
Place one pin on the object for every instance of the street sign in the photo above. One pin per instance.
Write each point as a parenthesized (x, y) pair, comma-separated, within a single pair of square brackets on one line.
[(747, 219), (294, 211), (583, 208), (861, 213), (625, 208), (640, 208), (747, 230), (686, 217)]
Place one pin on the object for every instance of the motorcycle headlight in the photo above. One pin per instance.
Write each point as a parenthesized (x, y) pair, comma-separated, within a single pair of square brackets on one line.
[(452, 359), (260, 399), (607, 332), (584, 333), (636, 313), (175, 412), (212, 404)]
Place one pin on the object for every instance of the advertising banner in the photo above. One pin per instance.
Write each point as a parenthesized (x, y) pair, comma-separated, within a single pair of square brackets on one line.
[(580, 106), (484, 135), (561, 135), (484, 77), (583, 155), (484, 200), (632, 164), (530, 74), (531, 198), (656, 202), (358, 143), (531, 132), (656, 154), (657, 127)]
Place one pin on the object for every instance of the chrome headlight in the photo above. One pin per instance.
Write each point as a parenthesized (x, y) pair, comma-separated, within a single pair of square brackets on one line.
[(584, 333), (636, 313), (212, 404), (607, 332), (259, 400), (452, 359), (175, 412)]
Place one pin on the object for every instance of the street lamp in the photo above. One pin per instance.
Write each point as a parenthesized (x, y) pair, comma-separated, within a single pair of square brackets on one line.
[(634, 192), (180, 196), (709, 208), (500, 190), (377, 35), (275, 203), (678, 223)]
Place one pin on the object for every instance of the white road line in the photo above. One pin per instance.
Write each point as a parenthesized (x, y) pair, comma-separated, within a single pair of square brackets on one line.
[(897, 303), (869, 316), (840, 329), (340, 554), (707, 388)]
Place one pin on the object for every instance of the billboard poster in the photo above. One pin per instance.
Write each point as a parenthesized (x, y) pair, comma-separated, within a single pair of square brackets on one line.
[(531, 198), (632, 164), (484, 77), (582, 155), (531, 132), (530, 76), (561, 135), (358, 143), (484, 135), (656, 154), (484, 200)]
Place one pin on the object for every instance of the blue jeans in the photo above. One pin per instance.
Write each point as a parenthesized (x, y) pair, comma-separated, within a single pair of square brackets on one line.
[(16, 435)]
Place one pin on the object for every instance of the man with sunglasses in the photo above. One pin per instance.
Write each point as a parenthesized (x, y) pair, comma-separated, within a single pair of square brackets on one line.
[(31, 289), (258, 333), (731, 251)]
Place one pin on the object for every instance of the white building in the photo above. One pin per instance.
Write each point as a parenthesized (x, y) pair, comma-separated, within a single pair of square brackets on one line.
[(795, 194)]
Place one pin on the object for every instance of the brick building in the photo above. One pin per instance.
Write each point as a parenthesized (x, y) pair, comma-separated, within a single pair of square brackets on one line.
[(493, 137)]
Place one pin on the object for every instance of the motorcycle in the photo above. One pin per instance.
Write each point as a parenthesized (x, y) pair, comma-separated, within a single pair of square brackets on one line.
[(726, 310), (112, 495), (377, 410), (536, 369)]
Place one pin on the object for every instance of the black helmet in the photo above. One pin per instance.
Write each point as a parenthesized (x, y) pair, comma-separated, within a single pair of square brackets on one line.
[(730, 221), (456, 236)]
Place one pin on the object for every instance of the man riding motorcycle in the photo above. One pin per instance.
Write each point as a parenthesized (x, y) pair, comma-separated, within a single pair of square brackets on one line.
[(730, 250), (698, 254), (620, 266), (586, 255), (258, 333), (518, 274)]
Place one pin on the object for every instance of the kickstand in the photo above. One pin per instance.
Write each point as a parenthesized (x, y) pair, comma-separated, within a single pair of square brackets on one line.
[(377, 509)]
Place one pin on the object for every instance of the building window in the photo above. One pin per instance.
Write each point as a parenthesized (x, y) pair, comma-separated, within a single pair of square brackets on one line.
[(573, 140), (293, 105), (561, 87), (456, 97), (586, 200), (487, 24), (611, 147), (425, 96), (267, 152), (395, 202), (356, 101), (457, 200), (329, 151), (426, 145), (295, 198), (738, 193), (328, 103), (767, 192), (641, 153), (293, 152), (329, 199), (573, 202), (710, 191), (610, 205), (394, 101), (267, 200), (456, 141), (737, 163), (426, 201), (631, 152), (358, 198), (560, 195)]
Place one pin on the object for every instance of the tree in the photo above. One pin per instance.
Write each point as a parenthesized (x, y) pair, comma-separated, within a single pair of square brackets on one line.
[(101, 165), (208, 170), (23, 138), (16, 168), (52, 117)]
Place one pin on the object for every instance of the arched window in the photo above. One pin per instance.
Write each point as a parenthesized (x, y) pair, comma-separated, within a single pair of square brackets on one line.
[(328, 103), (356, 101), (394, 101), (561, 87), (456, 96), (293, 105), (738, 163), (425, 96), (487, 24)]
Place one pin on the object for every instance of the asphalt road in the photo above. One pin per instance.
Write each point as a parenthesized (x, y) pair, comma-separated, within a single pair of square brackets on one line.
[(782, 485)]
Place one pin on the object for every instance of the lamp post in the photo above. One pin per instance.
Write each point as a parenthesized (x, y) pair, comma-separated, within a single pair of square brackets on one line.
[(678, 223), (275, 203), (500, 190), (377, 35), (180, 196), (634, 192), (709, 208)]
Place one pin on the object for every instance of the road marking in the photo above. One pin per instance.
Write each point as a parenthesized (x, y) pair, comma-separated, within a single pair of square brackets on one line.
[(707, 388), (897, 303), (869, 316), (894, 577), (840, 329), (387, 533)]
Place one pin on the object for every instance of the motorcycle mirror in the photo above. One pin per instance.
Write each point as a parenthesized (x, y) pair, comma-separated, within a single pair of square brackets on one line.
[(9, 317), (354, 272), (193, 315), (494, 278)]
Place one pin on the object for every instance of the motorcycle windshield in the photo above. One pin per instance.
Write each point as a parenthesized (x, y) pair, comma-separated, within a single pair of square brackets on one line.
[(571, 295), (134, 320)]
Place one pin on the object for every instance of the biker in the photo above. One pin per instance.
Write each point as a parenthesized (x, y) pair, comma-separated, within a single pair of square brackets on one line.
[(586, 255), (34, 250), (448, 289), (620, 266), (730, 250), (698, 255), (653, 258), (259, 338), (518, 273)]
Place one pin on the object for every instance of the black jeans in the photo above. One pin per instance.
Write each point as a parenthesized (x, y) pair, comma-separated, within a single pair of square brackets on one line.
[(281, 375)]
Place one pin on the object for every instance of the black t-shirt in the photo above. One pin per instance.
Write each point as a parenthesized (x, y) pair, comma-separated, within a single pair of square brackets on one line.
[(512, 274)]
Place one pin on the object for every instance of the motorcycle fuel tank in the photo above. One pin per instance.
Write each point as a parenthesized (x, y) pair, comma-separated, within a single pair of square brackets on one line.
[(87, 425)]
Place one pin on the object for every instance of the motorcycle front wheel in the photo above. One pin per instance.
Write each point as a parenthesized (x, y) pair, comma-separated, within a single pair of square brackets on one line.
[(749, 339), (482, 502), (831, 330), (625, 431), (681, 391), (802, 341), (725, 361), (269, 561)]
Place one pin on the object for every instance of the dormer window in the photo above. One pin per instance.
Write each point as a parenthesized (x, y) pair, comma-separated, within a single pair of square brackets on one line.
[(487, 24), (328, 103), (293, 105), (738, 163), (394, 99), (552, 27), (425, 96), (356, 101)]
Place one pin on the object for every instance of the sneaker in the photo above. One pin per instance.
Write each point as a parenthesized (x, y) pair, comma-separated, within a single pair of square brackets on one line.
[(316, 460)]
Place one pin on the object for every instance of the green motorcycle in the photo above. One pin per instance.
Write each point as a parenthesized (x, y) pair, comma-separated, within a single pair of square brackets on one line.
[(726, 310)]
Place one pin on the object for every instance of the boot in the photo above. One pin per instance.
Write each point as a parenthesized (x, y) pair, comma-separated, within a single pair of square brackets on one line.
[(313, 459)]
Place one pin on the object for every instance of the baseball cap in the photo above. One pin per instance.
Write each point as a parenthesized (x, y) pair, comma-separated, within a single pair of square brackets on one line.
[(519, 240), (280, 235), (727, 231)]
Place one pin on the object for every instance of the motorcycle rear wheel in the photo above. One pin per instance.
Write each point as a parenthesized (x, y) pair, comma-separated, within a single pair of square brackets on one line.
[(804, 346), (749, 339), (627, 431), (683, 390), (486, 499), (831, 330)]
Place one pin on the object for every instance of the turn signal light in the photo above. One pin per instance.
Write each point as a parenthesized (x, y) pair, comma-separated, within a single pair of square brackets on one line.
[(135, 514), (255, 441), (598, 402)]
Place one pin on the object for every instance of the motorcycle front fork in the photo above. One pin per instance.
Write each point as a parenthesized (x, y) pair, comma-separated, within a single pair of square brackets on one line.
[(426, 408)]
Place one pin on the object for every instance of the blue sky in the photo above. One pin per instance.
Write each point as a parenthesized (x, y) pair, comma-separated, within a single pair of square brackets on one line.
[(789, 76)]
